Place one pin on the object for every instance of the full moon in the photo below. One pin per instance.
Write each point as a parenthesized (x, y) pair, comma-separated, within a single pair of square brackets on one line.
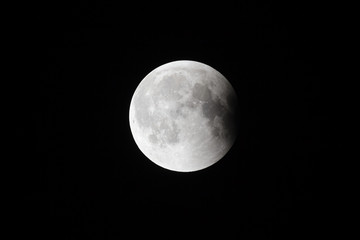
[(183, 116)]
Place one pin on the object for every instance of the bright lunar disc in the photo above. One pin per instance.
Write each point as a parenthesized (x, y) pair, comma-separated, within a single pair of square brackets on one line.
[(183, 116)]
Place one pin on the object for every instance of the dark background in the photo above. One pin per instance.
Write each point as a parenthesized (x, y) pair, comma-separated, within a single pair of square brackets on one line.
[(82, 175)]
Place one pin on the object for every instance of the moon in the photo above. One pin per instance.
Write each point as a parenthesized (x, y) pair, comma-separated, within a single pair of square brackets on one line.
[(183, 116)]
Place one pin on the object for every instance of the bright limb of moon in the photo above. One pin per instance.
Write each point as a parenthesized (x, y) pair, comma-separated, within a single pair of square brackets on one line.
[(183, 116)]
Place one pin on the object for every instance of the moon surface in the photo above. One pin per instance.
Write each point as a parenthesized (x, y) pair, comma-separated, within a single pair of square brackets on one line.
[(183, 116)]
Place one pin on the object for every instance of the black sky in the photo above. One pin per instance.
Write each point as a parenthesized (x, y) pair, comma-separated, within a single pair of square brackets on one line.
[(84, 176)]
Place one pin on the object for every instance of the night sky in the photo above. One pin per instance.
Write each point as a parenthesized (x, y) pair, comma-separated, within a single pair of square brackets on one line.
[(81, 172)]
